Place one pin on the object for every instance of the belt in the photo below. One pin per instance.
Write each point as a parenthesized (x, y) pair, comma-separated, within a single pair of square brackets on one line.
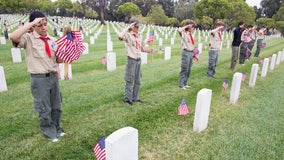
[(43, 75), (188, 50), (138, 59)]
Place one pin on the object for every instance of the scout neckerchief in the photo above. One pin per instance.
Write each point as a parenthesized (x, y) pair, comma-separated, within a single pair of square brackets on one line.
[(191, 38), (220, 36), (137, 43), (47, 49)]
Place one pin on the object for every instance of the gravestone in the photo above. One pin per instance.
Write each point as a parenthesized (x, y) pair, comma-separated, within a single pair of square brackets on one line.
[(200, 48), (111, 61), (3, 84), (253, 75), (168, 52), (62, 68), (109, 46), (272, 63), (2, 40), (202, 110), (282, 57), (86, 51), (144, 57), (236, 87), (265, 67), (16, 55), (278, 58), (92, 40), (160, 41), (228, 44), (122, 144), (172, 41)]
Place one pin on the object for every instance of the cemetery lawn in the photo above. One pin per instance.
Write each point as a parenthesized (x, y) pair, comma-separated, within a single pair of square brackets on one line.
[(93, 106)]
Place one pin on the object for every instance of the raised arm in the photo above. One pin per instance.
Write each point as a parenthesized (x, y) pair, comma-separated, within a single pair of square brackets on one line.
[(122, 34), (17, 34)]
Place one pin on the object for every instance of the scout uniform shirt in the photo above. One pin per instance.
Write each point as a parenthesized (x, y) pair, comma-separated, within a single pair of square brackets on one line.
[(187, 41), (133, 45), (216, 40), (38, 62)]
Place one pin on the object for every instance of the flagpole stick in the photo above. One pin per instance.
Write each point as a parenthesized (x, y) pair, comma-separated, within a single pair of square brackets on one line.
[(153, 52)]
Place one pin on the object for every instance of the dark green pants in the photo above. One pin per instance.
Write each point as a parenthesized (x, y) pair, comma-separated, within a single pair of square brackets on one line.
[(47, 102)]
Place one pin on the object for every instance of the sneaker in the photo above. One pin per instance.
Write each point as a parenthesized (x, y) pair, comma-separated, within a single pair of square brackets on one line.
[(61, 133), (128, 102), (54, 139), (187, 86), (184, 88)]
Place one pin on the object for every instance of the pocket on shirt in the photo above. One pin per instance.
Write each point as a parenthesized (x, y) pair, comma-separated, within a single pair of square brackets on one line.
[(38, 50)]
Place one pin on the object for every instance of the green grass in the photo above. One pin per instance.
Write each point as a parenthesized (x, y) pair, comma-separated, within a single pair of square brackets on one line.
[(93, 106)]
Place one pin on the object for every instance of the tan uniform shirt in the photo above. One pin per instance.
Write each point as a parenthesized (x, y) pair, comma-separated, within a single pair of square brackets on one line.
[(133, 45), (37, 60), (186, 41), (216, 40)]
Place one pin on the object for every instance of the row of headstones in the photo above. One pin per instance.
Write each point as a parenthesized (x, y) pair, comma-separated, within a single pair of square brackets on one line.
[(123, 143)]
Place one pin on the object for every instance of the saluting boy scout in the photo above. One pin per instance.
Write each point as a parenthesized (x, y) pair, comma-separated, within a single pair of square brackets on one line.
[(133, 62), (215, 46), (41, 62)]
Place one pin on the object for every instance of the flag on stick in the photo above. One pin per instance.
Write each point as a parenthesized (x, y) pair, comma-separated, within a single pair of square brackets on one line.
[(225, 84), (183, 108), (244, 76), (104, 60), (99, 149), (151, 38), (70, 46)]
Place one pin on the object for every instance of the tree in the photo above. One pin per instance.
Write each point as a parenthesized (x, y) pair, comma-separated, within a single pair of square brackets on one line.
[(157, 15), (215, 9), (280, 27), (270, 7), (240, 11), (173, 22), (184, 10), (128, 9), (279, 16), (168, 7), (90, 13), (268, 22), (62, 7)]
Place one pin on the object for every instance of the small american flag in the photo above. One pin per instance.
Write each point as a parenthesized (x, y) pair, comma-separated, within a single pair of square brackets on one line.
[(99, 149), (183, 108), (244, 76), (225, 84), (104, 60), (70, 46), (151, 38)]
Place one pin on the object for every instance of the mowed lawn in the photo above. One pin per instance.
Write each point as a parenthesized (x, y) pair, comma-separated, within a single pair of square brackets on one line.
[(93, 106)]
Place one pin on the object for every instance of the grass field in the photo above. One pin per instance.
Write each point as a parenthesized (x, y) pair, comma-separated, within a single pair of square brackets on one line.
[(93, 106)]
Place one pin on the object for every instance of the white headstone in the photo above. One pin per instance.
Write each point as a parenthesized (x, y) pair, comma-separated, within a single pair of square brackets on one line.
[(86, 51), (228, 44), (122, 144), (3, 84), (144, 57), (278, 58), (109, 46), (200, 48), (111, 61), (168, 51), (172, 41), (2, 40), (202, 110), (264, 67), (236, 86), (16, 55), (253, 75), (62, 67), (272, 63), (160, 41), (282, 57), (92, 40)]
